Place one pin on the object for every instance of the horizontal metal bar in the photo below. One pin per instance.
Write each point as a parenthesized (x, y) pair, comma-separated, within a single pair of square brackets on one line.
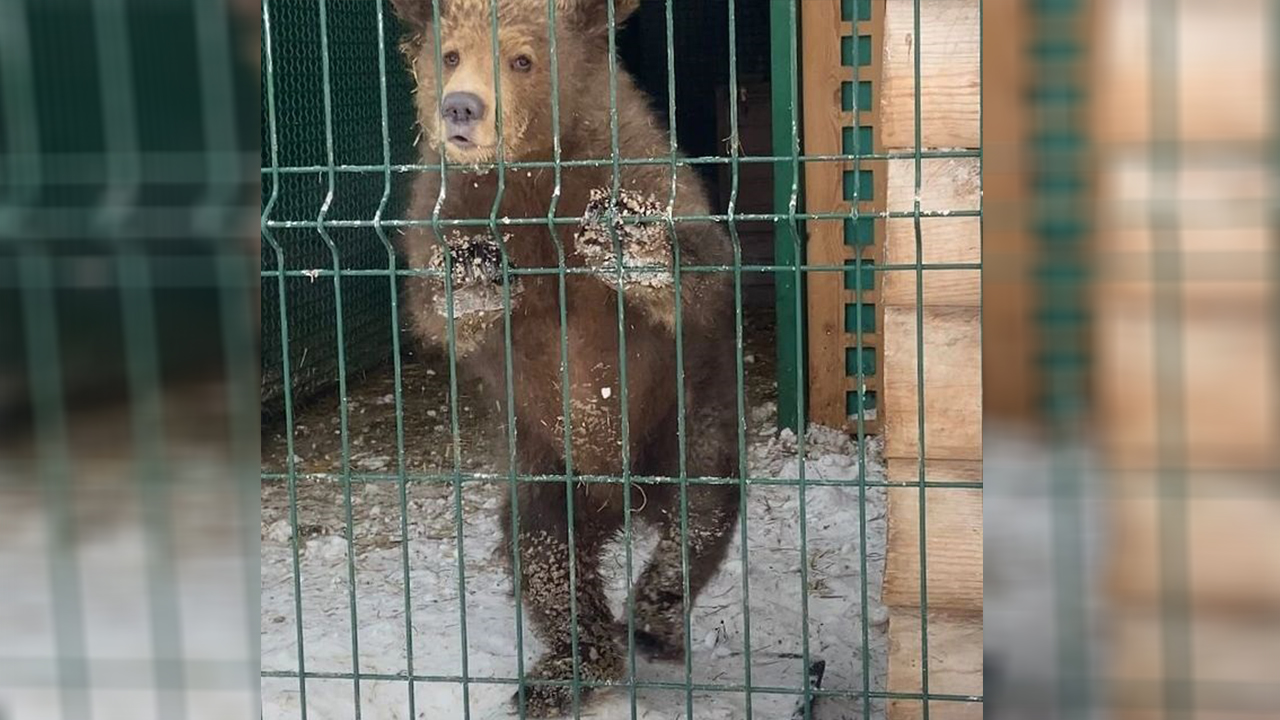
[(142, 221), (121, 673), (716, 217), (505, 479), (638, 684), (612, 272), (606, 162)]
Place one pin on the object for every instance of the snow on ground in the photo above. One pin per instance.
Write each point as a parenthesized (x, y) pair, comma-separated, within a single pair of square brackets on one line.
[(158, 621), (832, 556), (1039, 494)]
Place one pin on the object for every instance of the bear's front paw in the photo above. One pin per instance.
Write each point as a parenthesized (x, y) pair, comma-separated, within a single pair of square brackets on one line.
[(643, 243), (477, 260), (476, 274)]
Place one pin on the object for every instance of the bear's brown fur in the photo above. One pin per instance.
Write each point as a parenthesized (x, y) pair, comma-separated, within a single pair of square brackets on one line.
[(464, 64)]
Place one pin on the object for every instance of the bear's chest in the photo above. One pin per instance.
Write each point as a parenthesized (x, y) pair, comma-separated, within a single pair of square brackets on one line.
[(525, 209)]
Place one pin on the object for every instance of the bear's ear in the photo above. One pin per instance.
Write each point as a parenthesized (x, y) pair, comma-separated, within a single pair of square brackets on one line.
[(416, 14), (592, 16)]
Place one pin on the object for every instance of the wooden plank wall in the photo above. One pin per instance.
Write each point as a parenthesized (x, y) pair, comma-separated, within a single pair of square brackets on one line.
[(1009, 250), (1219, 366), (944, 333), (835, 334)]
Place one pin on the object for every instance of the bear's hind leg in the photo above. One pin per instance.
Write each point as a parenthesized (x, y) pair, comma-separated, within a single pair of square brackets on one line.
[(660, 603), (544, 573)]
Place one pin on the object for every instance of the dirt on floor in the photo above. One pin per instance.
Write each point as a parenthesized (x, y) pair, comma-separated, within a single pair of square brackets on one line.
[(372, 444)]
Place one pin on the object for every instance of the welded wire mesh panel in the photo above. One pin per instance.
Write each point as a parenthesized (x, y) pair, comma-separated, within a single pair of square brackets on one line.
[(346, 91), (1190, 175), (532, 543), (74, 136)]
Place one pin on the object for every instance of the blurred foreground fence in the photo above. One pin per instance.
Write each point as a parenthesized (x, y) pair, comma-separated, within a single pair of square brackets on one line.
[(1133, 253), (127, 360)]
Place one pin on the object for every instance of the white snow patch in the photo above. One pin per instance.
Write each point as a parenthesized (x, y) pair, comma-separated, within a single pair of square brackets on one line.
[(121, 601), (841, 519)]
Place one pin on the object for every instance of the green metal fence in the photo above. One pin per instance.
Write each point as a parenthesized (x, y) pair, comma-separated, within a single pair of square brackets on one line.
[(300, 141), (125, 169), (336, 118), (121, 150)]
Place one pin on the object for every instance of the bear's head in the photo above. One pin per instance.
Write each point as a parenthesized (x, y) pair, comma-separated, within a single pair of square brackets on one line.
[(464, 87)]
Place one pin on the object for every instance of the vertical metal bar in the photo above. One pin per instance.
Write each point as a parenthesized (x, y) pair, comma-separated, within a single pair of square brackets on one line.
[(739, 371), (396, 362), (1057, 25), (788, 250), (124, 180), (218, 223), (344, 402), (981, 169), (681, 428), (792, 211), (54, 463), (624, 400), (920, 376), (454, 419), (291, 466), (218, 103), (22, 123), (565, 404), (142, 366), (1170, 409), (123, 161), (508, 365), (1273, 60)]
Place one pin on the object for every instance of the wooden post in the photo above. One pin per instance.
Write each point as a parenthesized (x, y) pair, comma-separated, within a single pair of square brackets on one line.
[(841, 71), (1008, 249), (931, 322)]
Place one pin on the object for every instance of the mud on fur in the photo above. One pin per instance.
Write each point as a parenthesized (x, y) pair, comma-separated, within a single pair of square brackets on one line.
[(582, 396)]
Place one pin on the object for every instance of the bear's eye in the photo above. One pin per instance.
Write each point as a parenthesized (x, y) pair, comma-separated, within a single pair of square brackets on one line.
[(521, 63), (451, 58)]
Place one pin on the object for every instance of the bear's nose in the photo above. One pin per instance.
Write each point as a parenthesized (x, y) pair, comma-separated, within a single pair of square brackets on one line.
[(462, 108)]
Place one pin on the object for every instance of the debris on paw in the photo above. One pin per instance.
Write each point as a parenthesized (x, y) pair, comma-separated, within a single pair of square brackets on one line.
[(599, 663), (477, 259), (476, 273), (643, 243)]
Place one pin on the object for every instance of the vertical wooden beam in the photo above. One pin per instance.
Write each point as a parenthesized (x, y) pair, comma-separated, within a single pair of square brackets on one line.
[(1008, 255), (823, 193), (931, 320), (838, 342)]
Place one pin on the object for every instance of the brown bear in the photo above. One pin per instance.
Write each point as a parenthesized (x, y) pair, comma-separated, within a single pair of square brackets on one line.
[(474, 110)]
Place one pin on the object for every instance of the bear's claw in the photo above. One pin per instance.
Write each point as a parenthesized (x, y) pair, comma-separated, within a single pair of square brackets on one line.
[(661, 642)]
